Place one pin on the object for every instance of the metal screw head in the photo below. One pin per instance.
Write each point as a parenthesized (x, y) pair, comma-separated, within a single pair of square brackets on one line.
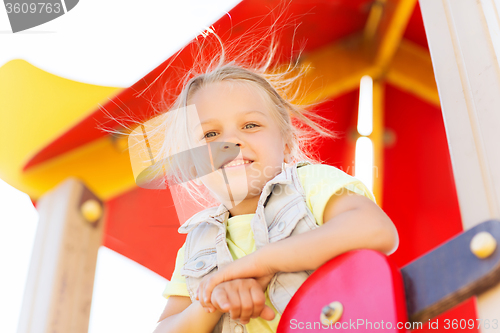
[(327, 311), (331, 313), (483, 244)]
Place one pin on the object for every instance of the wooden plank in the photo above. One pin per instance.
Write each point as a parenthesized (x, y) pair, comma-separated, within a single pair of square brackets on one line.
[(377, 138), (334, 70), (463, 47), (411, 70), (450, 274), (61, 277), (392, 27)]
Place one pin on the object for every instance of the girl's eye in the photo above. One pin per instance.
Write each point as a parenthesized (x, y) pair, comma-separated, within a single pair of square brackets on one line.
[(208, 135), (251, 125)]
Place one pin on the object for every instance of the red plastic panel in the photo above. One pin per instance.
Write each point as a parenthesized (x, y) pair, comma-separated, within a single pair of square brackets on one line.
[(142, 225), (342, 110), (419, 193), (368, 285), (419, 189)]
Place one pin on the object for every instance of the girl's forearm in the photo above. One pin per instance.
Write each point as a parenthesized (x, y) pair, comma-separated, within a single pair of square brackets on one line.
[(353, 229), (193, 319)]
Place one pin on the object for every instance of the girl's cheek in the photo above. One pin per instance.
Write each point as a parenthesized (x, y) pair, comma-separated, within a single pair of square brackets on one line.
[(254, 171)]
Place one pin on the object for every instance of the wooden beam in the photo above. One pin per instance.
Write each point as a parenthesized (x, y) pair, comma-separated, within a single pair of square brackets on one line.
[(103, 165), (390, 31), (60, 281), (451, 273), (462, 37), (334, 70), (373, 21), (377, 138), (411, 70)]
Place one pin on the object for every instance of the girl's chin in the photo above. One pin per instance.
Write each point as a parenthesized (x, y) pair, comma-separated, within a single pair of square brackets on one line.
[(238, 191)]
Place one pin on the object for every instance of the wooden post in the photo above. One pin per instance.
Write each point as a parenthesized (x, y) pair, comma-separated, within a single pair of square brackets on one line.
[(377, 137), (464, 41), (60, 281)]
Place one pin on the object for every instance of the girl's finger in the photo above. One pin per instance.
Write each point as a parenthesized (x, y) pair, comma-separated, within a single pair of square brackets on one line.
[(267, 313), (220, 300), (247, 305), (259, 301), (209, 285), (200, 293), (234, 302)]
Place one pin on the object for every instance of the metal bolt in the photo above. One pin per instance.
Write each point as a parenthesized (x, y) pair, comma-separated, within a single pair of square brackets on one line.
[(483, 244), (91, 210), (331, 313)]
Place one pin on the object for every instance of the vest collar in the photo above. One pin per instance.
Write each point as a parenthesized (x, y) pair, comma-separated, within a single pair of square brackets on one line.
[(214, 215), (219, 215)]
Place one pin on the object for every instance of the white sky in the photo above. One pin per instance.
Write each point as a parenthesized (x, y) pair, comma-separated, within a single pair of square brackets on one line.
[(113, 43)]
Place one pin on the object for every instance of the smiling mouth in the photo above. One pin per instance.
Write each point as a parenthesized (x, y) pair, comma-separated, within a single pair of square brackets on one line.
[(237, 163)]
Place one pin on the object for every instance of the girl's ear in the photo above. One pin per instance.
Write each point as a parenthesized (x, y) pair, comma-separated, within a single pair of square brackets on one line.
[(287, 153)]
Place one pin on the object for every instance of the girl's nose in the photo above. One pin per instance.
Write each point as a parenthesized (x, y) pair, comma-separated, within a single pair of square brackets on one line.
[(233, 139), (230, 145), (223, 152), (230, 150)]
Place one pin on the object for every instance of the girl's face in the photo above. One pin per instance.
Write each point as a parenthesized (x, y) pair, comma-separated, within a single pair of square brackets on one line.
[(235, 112)]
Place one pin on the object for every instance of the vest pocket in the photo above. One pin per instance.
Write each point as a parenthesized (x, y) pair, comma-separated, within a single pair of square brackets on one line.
[(283, 226), (200, 264)]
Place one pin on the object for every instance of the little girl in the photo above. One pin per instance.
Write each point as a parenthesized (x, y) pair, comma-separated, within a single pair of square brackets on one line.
[(280, 214)]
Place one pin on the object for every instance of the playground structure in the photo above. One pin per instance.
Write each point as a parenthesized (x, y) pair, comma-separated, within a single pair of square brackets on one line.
[(435, 156)]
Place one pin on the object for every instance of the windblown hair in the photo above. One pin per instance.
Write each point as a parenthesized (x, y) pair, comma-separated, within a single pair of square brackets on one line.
[(278, 85)]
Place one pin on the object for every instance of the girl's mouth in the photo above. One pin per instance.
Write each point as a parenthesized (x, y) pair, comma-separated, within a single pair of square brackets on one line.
[(237, 163)]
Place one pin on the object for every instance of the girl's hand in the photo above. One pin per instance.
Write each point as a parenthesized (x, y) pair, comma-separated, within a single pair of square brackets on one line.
[(243, 299), (250, 266)]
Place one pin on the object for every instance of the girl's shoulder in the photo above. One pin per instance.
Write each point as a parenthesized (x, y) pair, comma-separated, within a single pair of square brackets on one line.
[(320, 170), (321, 175)]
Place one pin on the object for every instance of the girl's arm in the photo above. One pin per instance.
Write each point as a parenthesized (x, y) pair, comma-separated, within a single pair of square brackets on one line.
[(352, 221), (182, 315)]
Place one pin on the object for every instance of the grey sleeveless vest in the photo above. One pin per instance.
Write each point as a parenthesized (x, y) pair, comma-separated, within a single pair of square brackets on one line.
[(281, 212)]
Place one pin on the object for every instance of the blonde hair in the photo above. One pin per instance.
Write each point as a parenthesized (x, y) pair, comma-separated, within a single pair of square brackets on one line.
[(280, 87)]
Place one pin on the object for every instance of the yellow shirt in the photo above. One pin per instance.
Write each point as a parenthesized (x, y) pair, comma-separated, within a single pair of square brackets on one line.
[(320, 182)]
